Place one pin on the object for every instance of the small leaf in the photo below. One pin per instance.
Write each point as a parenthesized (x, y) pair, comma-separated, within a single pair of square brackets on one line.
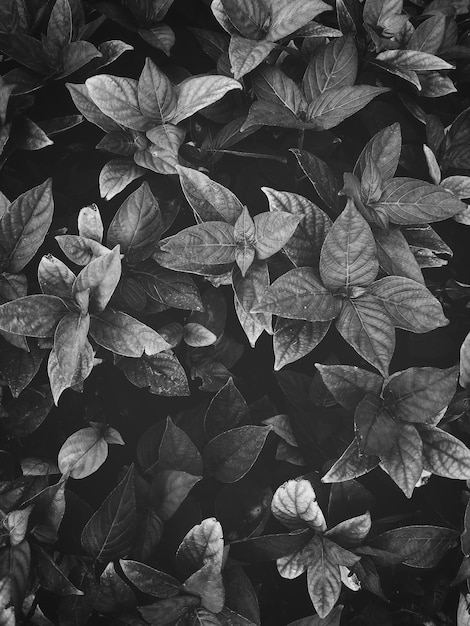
[(322, 178), (171, 488), (202, 545), (349, 384), (444, 454), (101, 277), (70, 341), (376, 430), (161, 374), (156, 94), (295, 505), (32, 316), (230, 455), (116, 97), (90, 224), (198, 92), (403, 462), (272, 85), (162, 155), (352, 532)]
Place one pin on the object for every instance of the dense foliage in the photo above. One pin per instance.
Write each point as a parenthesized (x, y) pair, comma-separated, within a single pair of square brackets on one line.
[(234, 293)]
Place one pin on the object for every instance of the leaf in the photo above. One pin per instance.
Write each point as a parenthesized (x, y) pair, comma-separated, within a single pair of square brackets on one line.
[(170, 288), (90, 224), (198, 336), (413, 61), (209, 200), (464, 378), (384, 150), (122, 334), (294, 339), (161, 374), (263, 113), (159, 36), (57, 382), (230, 455), (156, 95), (348, 256), (168, 611), (207, 583), (395, 256), (334, 106), (178, 452), (333, 66), (70, 341), (247, 290), (52, 578), (352, 532), (289, 15), (109, 533), (89, 110), (210, 243), (303, 248), (198, 92), (76, 55), (226, 410), (116, 175), (272, 85), (249, 18), (16, 523), (321, 176), (83, 453), (410, 201), (101, 277), (245, 241), (202, 545), (162, 155), (26, 50), (15, 562), (170, 488), (114, 594), (80, 250), (333, 618), (418, 546), (349, 384), (429, 35), (295, 505), (323, 581), (444, 454), (32, 316), (273, 231), (298, 294), (245, 54), (403, 462), (366, 326), (116, 97), (375, 428), (418, 393), (24, 225), (351, 464), (410, 305), (149, 580), (136, 226), (19, 367)]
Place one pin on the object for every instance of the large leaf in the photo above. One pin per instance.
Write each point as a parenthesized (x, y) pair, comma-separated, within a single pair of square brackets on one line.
[(334, 106), (198, 92), (403, 462), (122, 334), (410, 201), (273, 231), (101, 277), (294, 339), (409, 304), (289, 15), (295, 505), (211, 243), (335, 65), (209, 200), (375, 428), (418, 393), (230, 455), (298, 294), (116, 97), (155, 93), (384, 149), (70, 339), (25, 224), (89, 110), (109, 533), (323, 580), (349, 256), (395, 256), (444, 454), (349, 384), (32, 316), (136, 226), (366, 326), (225, 411)]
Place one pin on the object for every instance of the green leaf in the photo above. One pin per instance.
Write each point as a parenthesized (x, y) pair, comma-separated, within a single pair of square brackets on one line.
[(198, 92), (161, 374), (162, 155), (272, 85), (410, 201), (70, 340), (349, 384), (202, 545), (334, 106), (294, 339), (116, 175), (444, 454), (32, 316), (59, 27), (366, 326), (54, 277), (209, 200), (109, 533), (84, 452), (80, 250), (418, 546), (149, 580), (156, 95), (136, 226), (178, 452), (429, 35), (225, 411), (418, 393), (116, 97), (384, 150), (122, 334), (295, 505), (24, 225), (89, 110), (230, 455), (349, 256), (247, 290), (211, 243), (101, 277), (413, 61), (90, 224), (375, 428), (351, 464), (409, 304), (403, 462), (289, 15), (245, 54), (395, 256), (333, 66), (273, 231), (298, 294), (303, 248)]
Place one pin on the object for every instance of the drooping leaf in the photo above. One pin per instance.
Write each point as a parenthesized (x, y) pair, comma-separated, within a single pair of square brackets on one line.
[(198, 92), (116, 97), (403, 462), (295, 505), (444, 454)]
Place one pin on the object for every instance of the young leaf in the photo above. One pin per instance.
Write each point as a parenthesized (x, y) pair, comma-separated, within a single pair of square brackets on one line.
[(211, 243), (334, 66), (298, 294), (155, 93), (24, 225), (230, 455), (70, 339), (209, 200), (349, 384), (226, 410), (32, 316), (90, 224), (122, 334), (349, 256), (375, 428), (294, 339), (295, 505), (384, 150), (198, 92), (109, 533), (409, 304), (54, 277), (101, 277), (116, 97), (273, 231), (444, 454), (403, 462)]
